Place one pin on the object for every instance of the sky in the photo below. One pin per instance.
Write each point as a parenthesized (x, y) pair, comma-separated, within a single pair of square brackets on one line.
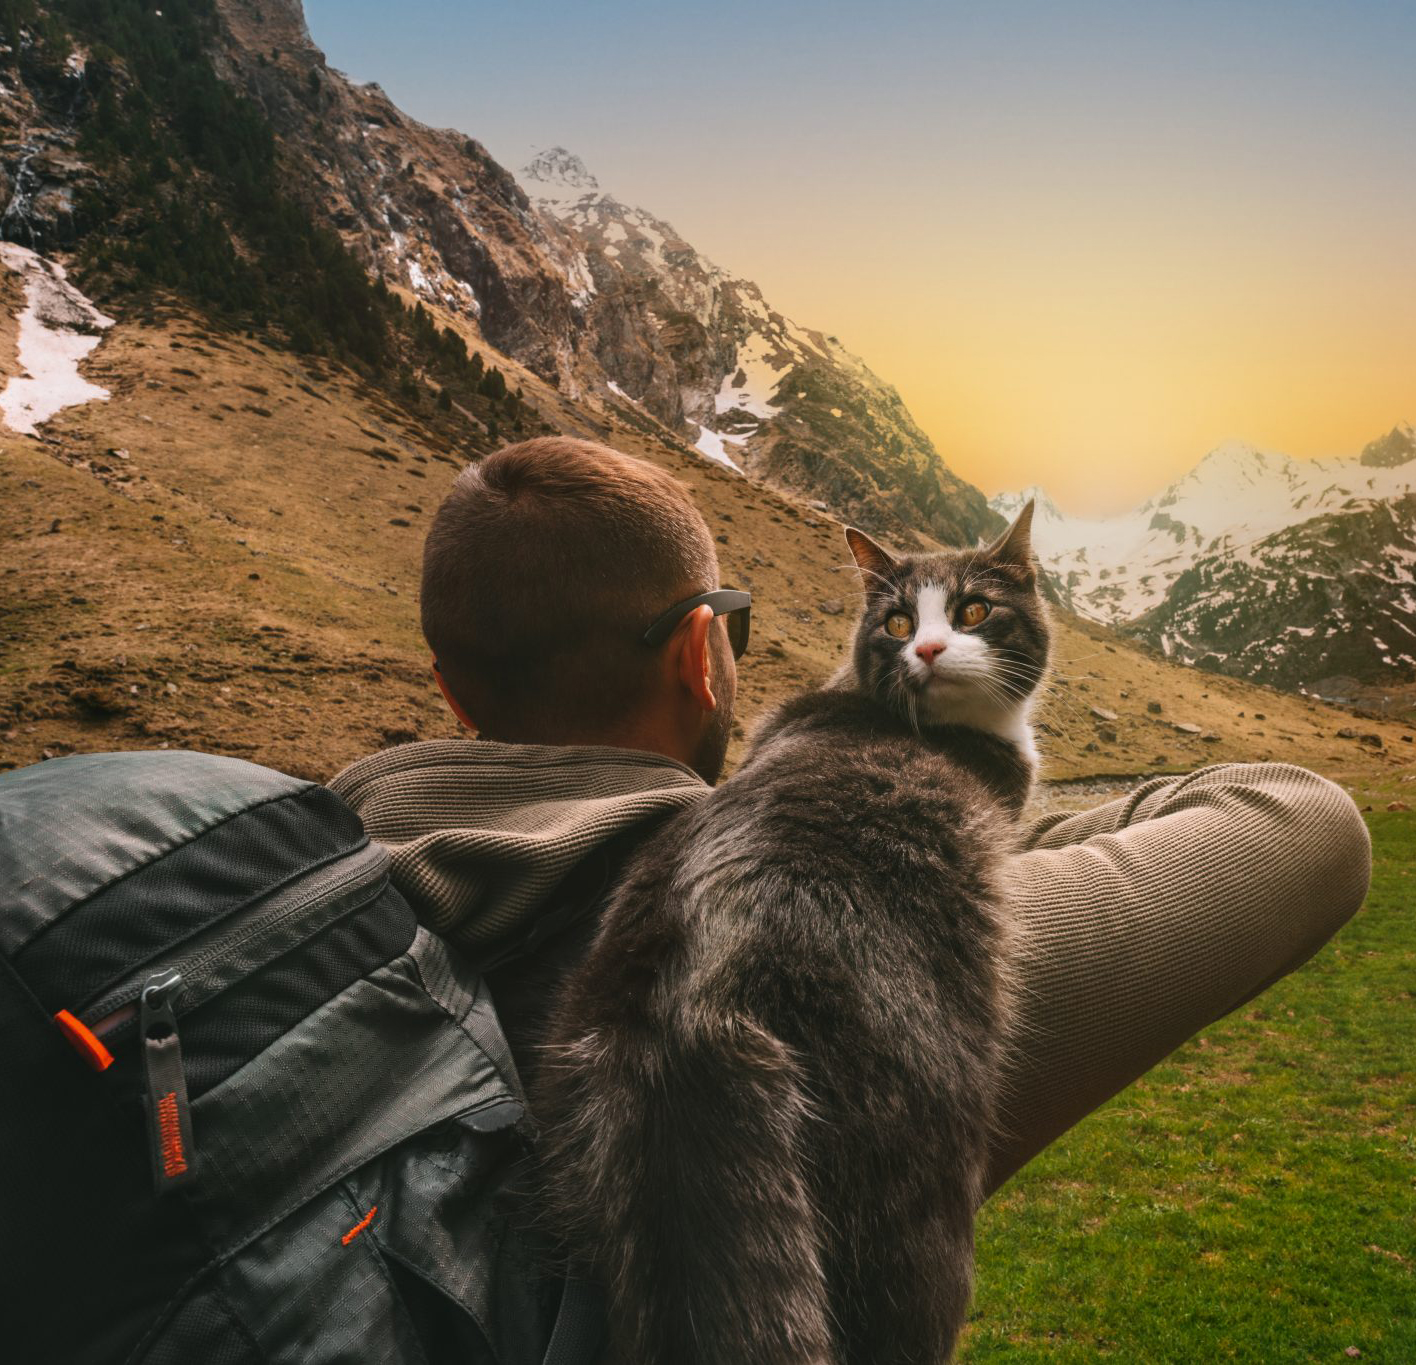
[(1087, 242)]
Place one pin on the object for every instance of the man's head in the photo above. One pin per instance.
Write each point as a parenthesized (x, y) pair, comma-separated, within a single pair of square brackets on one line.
[(544, 567)]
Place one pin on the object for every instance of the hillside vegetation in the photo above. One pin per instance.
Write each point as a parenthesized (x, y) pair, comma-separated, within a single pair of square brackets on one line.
[(225, 556)]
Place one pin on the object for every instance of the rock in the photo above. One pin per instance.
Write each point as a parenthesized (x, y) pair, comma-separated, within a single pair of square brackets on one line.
[(98, 701), (776, 652), (1106, 735), (1185, 727), (1092, 747), (1101, 713), (1209, 739), (399, 521), (831, 607), (1371, 741), (1347, 733), (1406, 739), (1258, 715), (1153, 707), (1397, 805)]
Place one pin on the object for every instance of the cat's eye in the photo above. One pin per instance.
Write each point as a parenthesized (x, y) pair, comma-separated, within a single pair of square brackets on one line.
[(973, 612), (899, 624)]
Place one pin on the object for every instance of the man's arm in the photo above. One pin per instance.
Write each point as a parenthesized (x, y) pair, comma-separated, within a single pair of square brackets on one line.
[(1147, 918)]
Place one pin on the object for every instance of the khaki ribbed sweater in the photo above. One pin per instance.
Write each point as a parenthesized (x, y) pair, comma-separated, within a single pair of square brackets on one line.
[(482, 832), (1142, 920)]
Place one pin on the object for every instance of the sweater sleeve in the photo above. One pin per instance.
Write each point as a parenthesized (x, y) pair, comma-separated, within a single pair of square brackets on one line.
[(1147, 918)]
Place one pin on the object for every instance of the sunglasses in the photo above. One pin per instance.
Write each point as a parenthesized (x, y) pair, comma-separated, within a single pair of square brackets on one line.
[(734, 606)]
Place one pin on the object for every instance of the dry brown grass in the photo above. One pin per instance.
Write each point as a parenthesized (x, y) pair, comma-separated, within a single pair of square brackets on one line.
[(244, 580)]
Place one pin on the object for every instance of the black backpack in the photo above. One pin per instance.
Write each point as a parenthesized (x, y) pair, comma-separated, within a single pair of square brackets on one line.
[(250, 1111)]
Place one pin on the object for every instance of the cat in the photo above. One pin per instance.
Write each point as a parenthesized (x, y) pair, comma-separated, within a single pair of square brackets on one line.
[(769, 1088)]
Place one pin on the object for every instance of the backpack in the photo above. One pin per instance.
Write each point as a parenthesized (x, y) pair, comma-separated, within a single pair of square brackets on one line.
[(250, 1111)]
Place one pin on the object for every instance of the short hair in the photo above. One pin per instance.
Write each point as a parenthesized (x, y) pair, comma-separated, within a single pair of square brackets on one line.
[(544, 567)]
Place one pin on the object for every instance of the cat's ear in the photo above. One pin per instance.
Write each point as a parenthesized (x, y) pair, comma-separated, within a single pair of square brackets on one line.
[(1014, 546), (869, 557)]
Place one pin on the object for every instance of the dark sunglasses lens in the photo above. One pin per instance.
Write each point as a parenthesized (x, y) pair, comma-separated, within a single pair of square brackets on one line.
[(738, 623)]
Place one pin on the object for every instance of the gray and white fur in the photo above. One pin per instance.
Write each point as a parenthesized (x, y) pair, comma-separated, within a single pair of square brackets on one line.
[(770, 1086)]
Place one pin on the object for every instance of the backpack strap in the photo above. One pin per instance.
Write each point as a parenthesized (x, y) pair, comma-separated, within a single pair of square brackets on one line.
[(580, 1325)]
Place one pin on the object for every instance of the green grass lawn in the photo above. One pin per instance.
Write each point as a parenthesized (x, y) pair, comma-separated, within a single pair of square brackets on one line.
[(1254, 1197)]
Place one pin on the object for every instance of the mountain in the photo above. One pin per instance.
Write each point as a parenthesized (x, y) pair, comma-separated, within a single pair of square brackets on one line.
[(223, 554), (1398, 446), (1288, 571), (606, 302), (1310, 607), (429, 215), (755, 390), (253, 320)]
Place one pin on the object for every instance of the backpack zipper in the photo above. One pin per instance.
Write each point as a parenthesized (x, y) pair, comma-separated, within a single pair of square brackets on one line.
[(169, 1115), (217, 957), (201, 968)]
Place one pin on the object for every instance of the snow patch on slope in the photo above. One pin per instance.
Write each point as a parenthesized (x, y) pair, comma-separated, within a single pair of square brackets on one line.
[(710, 444), (760, 378), (58, 329)]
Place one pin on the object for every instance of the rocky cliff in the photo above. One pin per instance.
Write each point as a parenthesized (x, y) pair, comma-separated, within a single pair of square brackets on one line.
[(606, 301), (704, 350)]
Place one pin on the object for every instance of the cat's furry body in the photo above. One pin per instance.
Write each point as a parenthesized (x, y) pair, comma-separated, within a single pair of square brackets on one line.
[(771, 1084)]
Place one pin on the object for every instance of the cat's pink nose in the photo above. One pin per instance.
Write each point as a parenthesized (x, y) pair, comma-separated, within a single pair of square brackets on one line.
[(929, 650)]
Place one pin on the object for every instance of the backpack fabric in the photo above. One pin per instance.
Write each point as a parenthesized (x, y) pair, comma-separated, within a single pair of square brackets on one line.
[(250, 1110)]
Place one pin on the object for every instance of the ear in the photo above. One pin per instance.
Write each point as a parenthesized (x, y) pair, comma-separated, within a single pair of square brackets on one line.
[(1014, 546), (453, 704), (869, 557), (690, 640)]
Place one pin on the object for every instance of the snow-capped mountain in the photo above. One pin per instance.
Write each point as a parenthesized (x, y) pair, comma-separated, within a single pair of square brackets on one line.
[(1255, 563), (701, 349), (1313, 606)]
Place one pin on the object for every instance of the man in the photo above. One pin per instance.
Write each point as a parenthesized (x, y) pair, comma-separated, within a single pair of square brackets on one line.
[(546, 568)]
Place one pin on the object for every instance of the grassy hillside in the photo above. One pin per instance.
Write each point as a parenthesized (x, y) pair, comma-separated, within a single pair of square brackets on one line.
[(225, 556)]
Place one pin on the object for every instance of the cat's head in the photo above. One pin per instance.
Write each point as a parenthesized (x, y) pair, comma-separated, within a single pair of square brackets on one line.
[(959, 637)]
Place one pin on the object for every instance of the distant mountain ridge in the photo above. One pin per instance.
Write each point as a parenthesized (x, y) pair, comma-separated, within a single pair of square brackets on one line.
[(755, 389), (1287, 571)]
